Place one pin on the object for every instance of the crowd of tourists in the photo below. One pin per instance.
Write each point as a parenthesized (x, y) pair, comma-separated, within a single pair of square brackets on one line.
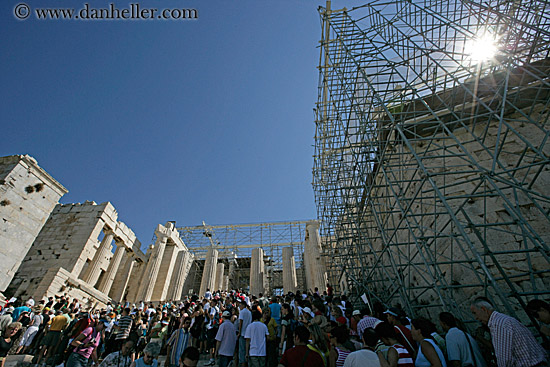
[(237, 329)]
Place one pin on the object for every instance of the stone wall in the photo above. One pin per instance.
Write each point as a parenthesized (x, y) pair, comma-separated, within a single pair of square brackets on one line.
[(27, 196)]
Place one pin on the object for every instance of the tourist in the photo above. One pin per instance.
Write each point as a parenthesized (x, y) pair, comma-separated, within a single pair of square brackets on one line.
[(178, 342), (397, 355), (226, 340), (19, 310), (429, 353), (271, 348), (514, 344), (301, 355), (275, 308), (367, 321), (85, 344), (319, 341), (123, 328), (150, 355), (245, 318), (7, 340), (338, 352), (190, 357), (462, 349), (540, 311), (404, 336), (212, 330), (255, 336), (122, 358), (366, 357), (30, 333), (197, 327), (52, 336)]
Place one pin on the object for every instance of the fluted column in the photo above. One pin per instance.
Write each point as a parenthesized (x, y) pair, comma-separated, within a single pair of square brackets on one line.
[(226, 283), (181, 272), (219, 276), (209, 272), (289, 270), (92, 273), (117, 293), (153, 266), (315, 265), (257, 272), (112, 269)]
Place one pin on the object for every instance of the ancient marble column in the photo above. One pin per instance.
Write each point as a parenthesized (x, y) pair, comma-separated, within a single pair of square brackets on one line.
[(290, 282), (93, 271), (112, 269), (226, 283), (181, 271), (316, 274), (122, 278), (257, 272), (153, 266), (209, 272), (219, 277)]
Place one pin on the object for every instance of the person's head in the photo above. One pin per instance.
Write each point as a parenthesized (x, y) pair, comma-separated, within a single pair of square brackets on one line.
[(190, 357), (370, 338), (150, 352), (393, 315), (386, 333), (356, 314), (287, 310), (126, 311), (447, 320), (421, 329), (482, 309), (336, 312), (127, 348), (186, 324), (266, 312), (539, 310), (256, 315), (301, 335), (242, 304), (318, 337), (12, 329), (103, 322), (339, 335)]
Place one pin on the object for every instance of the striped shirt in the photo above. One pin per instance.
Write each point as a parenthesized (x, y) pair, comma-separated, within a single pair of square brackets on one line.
[(125, 325), (342, 355), (514, 344), (178, 342), (404, 359)]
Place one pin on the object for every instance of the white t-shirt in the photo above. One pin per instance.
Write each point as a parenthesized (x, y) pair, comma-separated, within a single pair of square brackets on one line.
[(362, 358), (213, 311), (246, 316), (256, 332)]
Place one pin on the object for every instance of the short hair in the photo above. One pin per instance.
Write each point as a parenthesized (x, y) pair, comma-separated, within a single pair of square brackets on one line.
[(483, 302), (447, 318), (256, 315), (153, 349), (191, 353), (127, 310), (188, 318), (370, 337), (302, 333), (340, 333), (385, 330)]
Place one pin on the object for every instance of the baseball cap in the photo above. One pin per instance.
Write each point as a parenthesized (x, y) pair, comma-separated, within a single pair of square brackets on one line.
[(356, 313), (308, 311), (393, 311), (226, 314)]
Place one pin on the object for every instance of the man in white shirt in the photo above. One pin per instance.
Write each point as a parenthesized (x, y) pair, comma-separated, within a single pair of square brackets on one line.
[(245, 318), (365, 357), (226, 339), (255, 336)]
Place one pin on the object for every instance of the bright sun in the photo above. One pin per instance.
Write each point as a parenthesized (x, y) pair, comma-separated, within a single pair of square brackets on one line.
[(481, 48)]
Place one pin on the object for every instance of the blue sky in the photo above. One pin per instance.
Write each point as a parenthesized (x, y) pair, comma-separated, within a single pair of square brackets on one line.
[(208, 119)]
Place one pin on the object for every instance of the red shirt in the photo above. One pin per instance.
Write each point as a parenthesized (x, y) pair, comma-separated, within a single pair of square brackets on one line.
[(293, 357)]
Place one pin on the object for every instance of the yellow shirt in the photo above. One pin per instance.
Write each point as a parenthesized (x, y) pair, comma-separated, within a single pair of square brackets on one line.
[(58, 323)]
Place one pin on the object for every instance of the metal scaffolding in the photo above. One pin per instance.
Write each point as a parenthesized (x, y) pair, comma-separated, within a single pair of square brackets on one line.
[(431, 172), (235, 242)]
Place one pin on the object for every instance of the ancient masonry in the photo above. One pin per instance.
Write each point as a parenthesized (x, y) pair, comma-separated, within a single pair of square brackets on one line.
[(27, 196)]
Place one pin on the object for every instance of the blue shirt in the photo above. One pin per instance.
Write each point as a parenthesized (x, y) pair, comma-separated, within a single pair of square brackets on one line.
[(276, 312), (18, 311), (458, 348)]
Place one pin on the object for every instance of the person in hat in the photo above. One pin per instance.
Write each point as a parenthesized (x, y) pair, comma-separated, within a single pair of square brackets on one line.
[(178, 342), (355, 318), (404, 336), (85, 344), (226, 340), (245, 318)]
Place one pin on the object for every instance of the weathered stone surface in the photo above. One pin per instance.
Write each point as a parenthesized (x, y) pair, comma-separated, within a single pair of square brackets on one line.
[(209, 273), (290, 281), (316, 275), (28, 194), (257, 272)]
